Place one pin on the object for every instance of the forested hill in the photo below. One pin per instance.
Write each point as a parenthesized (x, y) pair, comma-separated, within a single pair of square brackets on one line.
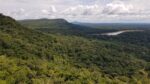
[(31, 57), (46, 23), (60, 26), (55, 26), (94, 31)]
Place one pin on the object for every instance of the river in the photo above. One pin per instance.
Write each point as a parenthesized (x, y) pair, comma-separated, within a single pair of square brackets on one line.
[(120, 32)]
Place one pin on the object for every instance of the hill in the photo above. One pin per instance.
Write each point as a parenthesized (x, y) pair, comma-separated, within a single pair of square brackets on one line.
[(32, 57), (93, 31), (61, 26), (45, 23)]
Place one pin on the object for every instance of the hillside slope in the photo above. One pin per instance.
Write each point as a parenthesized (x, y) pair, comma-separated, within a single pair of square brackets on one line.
[(31, 57), (60, 26), (63, 27)]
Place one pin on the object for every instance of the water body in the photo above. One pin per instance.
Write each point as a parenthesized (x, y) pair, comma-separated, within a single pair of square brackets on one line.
[(120, 32)]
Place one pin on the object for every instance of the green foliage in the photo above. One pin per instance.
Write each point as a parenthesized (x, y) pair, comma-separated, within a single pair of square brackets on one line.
[(32, 57), (60, 26), (38, 71)]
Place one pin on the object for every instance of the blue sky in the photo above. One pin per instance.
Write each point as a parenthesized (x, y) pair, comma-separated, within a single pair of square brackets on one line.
[(79, 10)]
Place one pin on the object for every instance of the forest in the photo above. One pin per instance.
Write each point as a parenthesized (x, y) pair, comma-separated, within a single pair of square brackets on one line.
[(65, 53)]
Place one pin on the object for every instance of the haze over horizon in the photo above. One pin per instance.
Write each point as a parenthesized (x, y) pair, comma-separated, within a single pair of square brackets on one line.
[(94, 11)]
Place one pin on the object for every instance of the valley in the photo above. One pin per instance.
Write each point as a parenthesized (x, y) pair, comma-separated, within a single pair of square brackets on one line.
[(74, 42), (66, 53)]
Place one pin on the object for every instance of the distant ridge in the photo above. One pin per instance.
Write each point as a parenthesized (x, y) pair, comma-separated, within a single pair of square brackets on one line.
[(45, 20), (55, 26)]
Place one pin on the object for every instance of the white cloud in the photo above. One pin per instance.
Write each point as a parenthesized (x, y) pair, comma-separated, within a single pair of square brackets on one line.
[(45, 11), (118, 7), (80, 10), (49, 10)]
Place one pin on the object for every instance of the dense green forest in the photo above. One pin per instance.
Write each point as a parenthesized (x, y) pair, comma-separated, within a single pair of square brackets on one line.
[(32, 56), (93, 31), (61, 26)]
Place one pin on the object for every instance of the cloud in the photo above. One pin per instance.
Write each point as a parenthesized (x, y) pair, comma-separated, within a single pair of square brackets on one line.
[(52, 9), (17, 13), (45, 11), (80, 10), (118, 7)]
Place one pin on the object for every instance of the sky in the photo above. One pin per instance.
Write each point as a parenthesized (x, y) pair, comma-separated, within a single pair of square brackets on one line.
[(94, 11)]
